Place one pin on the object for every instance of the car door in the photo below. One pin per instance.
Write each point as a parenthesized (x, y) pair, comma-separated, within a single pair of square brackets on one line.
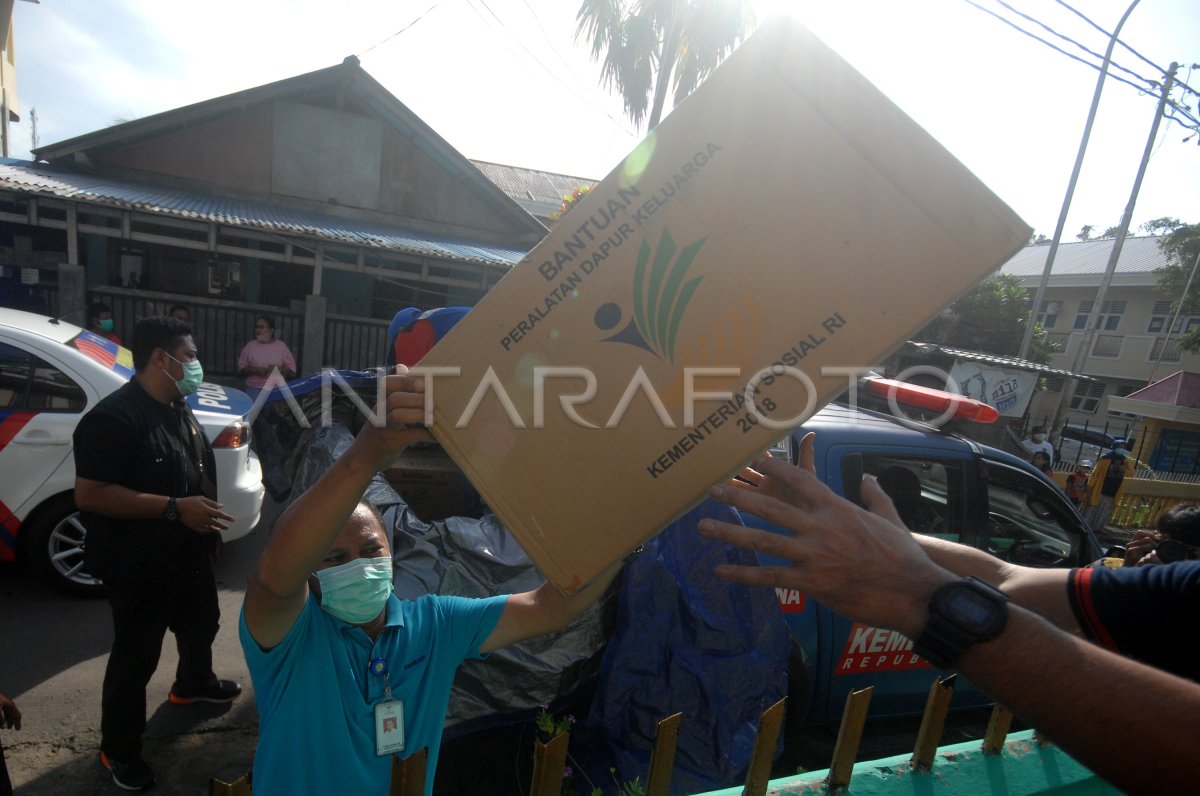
[(933, 491), (40, 405)]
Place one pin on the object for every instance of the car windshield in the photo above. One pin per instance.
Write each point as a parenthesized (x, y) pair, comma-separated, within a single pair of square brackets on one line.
[(112, 356)]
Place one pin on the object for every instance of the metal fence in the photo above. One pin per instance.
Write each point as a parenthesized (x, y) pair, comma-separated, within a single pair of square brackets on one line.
[(355, 343), (221, 327)]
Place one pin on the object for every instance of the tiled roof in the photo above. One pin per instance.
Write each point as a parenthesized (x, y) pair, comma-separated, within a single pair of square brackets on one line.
[(531, 185), (1181, 388), (42, 179), (1138, 256)]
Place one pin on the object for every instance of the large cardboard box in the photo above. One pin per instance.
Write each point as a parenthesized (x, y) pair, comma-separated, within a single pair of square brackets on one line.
[(787, 216)]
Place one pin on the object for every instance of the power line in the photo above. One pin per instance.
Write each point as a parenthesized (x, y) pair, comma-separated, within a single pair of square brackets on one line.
[(1051, 45), (1159, 69), (1064, 37), (1188, 119), (406, 27), (546, 69)]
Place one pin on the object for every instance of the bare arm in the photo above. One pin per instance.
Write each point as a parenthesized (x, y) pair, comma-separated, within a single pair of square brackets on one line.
[(278, 588), (867, 568), (1058, 684), (544, 610), (1043, 591), (113, 500)]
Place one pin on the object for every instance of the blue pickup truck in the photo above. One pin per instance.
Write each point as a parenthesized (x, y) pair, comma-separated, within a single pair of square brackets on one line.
[(943, 485)]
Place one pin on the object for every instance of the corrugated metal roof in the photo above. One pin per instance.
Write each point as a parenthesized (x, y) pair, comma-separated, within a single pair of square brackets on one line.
[(1015, 363), (531, 184), (1138, 256), (42, 179)]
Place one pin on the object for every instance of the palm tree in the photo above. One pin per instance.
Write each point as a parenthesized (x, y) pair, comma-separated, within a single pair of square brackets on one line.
[(648, 44)]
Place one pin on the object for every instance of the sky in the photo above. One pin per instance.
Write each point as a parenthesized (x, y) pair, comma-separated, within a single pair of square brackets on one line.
[(506, 81)]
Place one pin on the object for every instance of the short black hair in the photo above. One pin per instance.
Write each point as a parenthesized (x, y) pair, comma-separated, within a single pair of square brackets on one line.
[(96, 309), (267, 319), (157, 331), (1181, 522), (179, 307)]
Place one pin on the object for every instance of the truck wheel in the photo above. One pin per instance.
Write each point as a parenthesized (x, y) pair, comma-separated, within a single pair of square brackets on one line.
[(54, 546)]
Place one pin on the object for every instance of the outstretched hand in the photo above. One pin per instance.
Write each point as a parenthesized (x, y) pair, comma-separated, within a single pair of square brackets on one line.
[(864, 564)]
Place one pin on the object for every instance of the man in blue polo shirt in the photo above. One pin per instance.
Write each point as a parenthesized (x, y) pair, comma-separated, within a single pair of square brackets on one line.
[(346, 674)]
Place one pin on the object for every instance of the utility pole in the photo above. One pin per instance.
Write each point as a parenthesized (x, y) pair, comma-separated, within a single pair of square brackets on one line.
[(1089, 331), (1174, 320), (1040, 293)]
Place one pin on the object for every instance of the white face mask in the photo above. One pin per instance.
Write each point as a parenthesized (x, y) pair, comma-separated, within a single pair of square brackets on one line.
[(356, 591), (1039, 437)]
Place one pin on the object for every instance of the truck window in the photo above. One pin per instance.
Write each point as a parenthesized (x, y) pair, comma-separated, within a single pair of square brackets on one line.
[(1027, 522), (927, 493)]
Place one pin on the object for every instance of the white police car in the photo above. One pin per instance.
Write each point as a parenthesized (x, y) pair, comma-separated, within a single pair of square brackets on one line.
[(51, 374)]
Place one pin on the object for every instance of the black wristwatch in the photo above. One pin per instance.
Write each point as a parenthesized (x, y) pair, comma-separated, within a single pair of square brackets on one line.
[(961, 613), (171, 512)]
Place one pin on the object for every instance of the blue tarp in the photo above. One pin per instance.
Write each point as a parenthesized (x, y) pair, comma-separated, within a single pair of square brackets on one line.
[(687, 642)]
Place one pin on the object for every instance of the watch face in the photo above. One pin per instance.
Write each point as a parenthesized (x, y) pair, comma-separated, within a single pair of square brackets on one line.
[(970, 609)]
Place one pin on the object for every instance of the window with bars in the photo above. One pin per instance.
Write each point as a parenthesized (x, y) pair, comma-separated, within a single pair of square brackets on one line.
[(1109, 318), (1087, 397), (1160, 320), (1047, 314), (1054, 383), (1107, 345), (1169, 351)]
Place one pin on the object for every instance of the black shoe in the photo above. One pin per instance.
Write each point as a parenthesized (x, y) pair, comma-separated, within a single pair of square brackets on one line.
[(131, 775), (217, 691)]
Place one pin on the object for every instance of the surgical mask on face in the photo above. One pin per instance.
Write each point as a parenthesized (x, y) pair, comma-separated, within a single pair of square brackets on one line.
[(106, 325), (1039, 437), (263, 337), (356, 591), (193, 375)]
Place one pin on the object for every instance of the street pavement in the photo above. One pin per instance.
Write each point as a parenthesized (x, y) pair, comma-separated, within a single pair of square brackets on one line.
[(53, 650)]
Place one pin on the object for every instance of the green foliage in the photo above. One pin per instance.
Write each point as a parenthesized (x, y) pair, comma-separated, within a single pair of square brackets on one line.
[(646, 46), (990, 318), (550, 725), (1181, 243)]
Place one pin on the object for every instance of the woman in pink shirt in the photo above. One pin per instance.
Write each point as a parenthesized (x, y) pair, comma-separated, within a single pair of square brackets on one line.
[(264, 354)]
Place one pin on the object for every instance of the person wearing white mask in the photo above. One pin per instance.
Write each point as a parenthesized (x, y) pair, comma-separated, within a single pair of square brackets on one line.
[(1037, 443), (264, 355), (346, 675), (145, 486)]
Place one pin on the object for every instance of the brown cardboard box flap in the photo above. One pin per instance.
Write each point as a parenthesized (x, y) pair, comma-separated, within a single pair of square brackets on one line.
[(786, 216)]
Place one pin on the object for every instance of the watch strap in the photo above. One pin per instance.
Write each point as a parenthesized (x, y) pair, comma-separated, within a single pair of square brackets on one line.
[(946, 636)]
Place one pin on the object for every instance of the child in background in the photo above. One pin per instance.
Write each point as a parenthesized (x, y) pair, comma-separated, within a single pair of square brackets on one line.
[(1077, 483), (1041, 461)]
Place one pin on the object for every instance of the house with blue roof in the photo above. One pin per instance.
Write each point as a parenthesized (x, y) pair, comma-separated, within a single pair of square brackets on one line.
[(321, 200)]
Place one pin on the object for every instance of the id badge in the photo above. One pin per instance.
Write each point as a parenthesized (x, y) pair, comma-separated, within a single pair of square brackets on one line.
[(389, 727)]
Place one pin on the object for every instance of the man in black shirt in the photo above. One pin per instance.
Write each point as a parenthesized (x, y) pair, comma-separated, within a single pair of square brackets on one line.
[(145, 477)]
